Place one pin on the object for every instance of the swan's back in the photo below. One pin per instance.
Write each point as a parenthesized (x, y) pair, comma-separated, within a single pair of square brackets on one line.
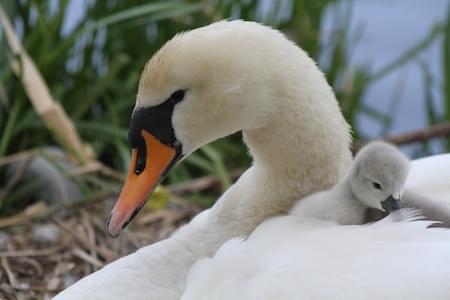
[(292, 258), (430, 177)]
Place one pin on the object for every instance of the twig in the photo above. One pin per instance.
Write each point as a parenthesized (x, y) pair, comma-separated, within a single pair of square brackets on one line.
[(36, 289), (34, 263), (153, 217), (421, 135), (86, 257), (90, 234), (81, 240), (17, 157), (84, 169), (105, 170), (97, 166), (11, 277), (200, 184), (30, 252), (36, 210)]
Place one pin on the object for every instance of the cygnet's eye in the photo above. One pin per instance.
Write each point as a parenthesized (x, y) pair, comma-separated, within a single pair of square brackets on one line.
[(377, 185), (177, 96)]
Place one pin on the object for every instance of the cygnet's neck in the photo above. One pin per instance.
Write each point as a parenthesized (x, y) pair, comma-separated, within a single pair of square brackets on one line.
[(338, 205), (349, 209)]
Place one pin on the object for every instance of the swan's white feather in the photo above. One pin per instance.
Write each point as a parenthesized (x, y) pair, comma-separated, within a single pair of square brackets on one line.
[(296, 258), (430, 177)]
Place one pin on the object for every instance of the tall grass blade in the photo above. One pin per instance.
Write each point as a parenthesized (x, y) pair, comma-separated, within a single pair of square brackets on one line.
[(50, 111), (410, 54)]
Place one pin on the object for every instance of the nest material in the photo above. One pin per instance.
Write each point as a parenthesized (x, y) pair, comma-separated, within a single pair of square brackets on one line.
[(40, 258)]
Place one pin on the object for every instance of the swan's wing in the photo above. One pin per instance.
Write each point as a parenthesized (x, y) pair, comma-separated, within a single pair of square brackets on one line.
[(430, 177), (290, 258)]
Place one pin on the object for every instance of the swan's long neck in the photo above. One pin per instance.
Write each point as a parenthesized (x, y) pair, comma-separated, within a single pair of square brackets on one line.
[(301, 160), (302, 148)]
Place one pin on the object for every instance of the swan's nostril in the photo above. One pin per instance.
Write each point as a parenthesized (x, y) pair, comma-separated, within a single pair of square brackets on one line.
[(141, 158)]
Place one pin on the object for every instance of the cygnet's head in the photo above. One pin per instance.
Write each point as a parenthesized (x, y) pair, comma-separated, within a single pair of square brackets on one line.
[(378, 174)]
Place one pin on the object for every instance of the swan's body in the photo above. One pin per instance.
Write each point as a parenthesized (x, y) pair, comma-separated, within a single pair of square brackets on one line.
[(374, 180), (293, 258), (203, 85), (428, 188)]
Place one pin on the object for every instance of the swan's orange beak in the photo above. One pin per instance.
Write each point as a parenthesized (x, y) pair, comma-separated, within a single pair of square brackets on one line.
[(138, 185)]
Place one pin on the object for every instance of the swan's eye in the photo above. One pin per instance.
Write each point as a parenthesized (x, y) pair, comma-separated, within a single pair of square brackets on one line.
[(376, 185), (177, 96)]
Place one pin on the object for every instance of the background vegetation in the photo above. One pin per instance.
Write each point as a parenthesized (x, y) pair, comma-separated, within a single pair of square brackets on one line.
[(93, 67), (53, 204)]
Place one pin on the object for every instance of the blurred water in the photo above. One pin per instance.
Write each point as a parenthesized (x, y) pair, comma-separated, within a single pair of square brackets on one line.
[(390, 27)]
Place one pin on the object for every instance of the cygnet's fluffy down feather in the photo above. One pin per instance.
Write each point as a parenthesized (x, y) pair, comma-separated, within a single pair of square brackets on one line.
[(293, 258), (376, 175)]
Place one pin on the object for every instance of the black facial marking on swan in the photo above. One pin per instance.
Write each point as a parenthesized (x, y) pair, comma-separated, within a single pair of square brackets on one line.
[(156, 120)]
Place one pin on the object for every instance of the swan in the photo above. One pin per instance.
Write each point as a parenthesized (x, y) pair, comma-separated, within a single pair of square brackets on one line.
[(203, 85), (375, 180), (428, 188)]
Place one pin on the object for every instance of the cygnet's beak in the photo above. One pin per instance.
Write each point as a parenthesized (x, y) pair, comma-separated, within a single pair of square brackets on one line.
[(148, 166), (392, 203)]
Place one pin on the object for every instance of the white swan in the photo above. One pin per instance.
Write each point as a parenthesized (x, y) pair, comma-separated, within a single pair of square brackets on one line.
[(428, 188), (203, 85), (375, 180)]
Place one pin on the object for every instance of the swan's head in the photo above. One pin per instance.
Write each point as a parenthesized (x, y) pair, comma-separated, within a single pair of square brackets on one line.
[(198, 87), (378, 174), (203, 85)]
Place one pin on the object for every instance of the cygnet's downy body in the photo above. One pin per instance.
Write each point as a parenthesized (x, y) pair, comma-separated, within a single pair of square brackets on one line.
[(375, 180)]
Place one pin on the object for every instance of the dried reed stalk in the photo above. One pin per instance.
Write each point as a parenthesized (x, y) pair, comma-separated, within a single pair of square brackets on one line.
[(51, 112)]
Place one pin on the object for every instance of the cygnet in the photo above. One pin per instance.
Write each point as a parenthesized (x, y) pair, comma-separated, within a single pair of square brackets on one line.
[(374, 180)]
